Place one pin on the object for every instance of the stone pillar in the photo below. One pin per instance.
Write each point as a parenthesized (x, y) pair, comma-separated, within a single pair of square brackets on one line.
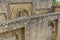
[(58, 34), (30, 31), (8, 11), (37, 31), (42, 33)]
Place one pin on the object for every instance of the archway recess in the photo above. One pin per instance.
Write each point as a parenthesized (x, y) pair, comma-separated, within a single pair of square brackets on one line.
[(15, 8)]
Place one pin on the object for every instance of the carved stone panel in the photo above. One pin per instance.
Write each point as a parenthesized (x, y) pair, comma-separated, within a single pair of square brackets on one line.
[(20, 10)]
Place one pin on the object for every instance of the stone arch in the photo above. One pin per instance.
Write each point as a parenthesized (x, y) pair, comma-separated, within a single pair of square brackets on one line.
[(22, 13), (19, 33), (7, 36), (15, 8), (54, 28)]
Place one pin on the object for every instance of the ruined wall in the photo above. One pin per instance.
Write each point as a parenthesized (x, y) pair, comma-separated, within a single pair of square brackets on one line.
[(35, 29), (36, 6)]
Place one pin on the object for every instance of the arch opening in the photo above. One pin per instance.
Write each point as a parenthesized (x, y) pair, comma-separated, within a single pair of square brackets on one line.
[(54, 29)]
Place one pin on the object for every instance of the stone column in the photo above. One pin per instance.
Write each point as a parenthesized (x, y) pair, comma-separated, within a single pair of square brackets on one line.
[(42, 33), (8, 11), (37, 31), (30, 31), (58, 34)]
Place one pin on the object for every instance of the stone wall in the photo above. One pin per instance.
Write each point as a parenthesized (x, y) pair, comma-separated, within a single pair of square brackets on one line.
[(36, 27), (36, 4)]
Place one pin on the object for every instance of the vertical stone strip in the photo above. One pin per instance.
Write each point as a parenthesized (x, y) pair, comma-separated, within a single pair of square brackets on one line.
[(34, 7), (58, 34), (37, 31), (30, 31), (27, 32), (8, 11), (54, 30), (42, 31)]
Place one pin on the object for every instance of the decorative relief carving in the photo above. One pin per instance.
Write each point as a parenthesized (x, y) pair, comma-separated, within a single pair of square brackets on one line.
[(20, 10)]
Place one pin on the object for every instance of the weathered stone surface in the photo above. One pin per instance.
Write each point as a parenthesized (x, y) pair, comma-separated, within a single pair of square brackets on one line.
[(36, 27), (30, 21), (58, 34), (7, 36)]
